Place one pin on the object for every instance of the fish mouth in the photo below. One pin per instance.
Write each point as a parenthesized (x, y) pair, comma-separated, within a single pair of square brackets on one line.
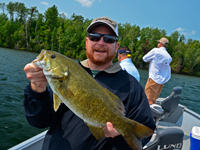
[(51, 68), (42, 55), (39, 63), (40, 59), (48, 73)]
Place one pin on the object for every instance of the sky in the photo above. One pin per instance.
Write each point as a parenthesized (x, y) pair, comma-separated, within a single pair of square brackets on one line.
[(170, 15)]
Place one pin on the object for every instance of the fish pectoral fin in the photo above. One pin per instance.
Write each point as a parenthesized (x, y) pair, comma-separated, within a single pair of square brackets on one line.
[(98, 132), (65, 91), (56, 101)]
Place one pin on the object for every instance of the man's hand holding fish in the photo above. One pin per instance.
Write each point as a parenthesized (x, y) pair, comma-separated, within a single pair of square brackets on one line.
[(36, 77)]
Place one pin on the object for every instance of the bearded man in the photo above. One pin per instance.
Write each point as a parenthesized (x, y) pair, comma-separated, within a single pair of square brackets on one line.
[(68, 131)]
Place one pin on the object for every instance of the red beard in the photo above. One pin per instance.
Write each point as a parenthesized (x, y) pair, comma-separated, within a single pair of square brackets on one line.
[(102, 61)]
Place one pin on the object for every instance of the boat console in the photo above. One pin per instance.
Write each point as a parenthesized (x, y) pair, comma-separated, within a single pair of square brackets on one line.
[(169, 138)]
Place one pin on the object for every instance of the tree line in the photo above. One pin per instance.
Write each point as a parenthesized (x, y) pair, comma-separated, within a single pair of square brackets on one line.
[(25, 28)]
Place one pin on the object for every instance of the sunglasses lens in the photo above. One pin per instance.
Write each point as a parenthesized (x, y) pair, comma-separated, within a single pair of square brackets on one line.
[(94, 37), (107, 38)]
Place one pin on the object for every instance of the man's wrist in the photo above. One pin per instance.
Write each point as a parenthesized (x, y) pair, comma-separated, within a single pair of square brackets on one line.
[(38, 89)]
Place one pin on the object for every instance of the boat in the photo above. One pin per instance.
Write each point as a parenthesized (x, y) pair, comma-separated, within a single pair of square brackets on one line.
[(174, 122)]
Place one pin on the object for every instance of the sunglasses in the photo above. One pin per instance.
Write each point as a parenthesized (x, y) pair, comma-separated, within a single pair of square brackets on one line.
[(107, 38)]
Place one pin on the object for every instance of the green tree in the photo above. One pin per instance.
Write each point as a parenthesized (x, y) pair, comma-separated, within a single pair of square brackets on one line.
[(32, 12), (11, 8), (22, 12), (192, 56), (54, 40), (77, 18), (20, 38), (3, 20), (173, 41), (3, 7), (132, 36), (51, 16), (179, 60), (47, 39)]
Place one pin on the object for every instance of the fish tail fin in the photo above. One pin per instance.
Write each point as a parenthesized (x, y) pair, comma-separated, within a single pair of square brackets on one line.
[(135, 133)]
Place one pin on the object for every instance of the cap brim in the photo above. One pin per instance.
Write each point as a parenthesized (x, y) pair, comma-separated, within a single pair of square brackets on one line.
[(96, 23)]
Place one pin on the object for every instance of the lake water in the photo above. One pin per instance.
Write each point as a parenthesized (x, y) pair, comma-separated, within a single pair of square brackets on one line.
[(14, 127)]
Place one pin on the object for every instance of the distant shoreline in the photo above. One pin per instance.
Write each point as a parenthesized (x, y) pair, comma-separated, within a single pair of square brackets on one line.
[(174, 72)]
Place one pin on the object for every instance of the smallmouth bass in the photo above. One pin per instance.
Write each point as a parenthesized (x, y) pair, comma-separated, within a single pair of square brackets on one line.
[(94, 104)]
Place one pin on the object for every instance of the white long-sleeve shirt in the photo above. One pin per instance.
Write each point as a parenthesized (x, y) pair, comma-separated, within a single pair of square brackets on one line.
[(127, 64), (159, 68)]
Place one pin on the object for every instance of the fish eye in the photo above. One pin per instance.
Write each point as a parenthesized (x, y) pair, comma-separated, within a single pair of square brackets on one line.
[(53, 56)]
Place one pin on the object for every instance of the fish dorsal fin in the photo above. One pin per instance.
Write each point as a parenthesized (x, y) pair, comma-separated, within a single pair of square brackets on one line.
[(56, 101), (117, 103)]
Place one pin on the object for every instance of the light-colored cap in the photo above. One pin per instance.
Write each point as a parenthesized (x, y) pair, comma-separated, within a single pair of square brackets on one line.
[(164, 41), (196, 132), (105, 21)]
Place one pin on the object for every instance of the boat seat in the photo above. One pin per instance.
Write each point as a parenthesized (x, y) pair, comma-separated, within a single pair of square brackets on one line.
[(169, 138), (167, 106)]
